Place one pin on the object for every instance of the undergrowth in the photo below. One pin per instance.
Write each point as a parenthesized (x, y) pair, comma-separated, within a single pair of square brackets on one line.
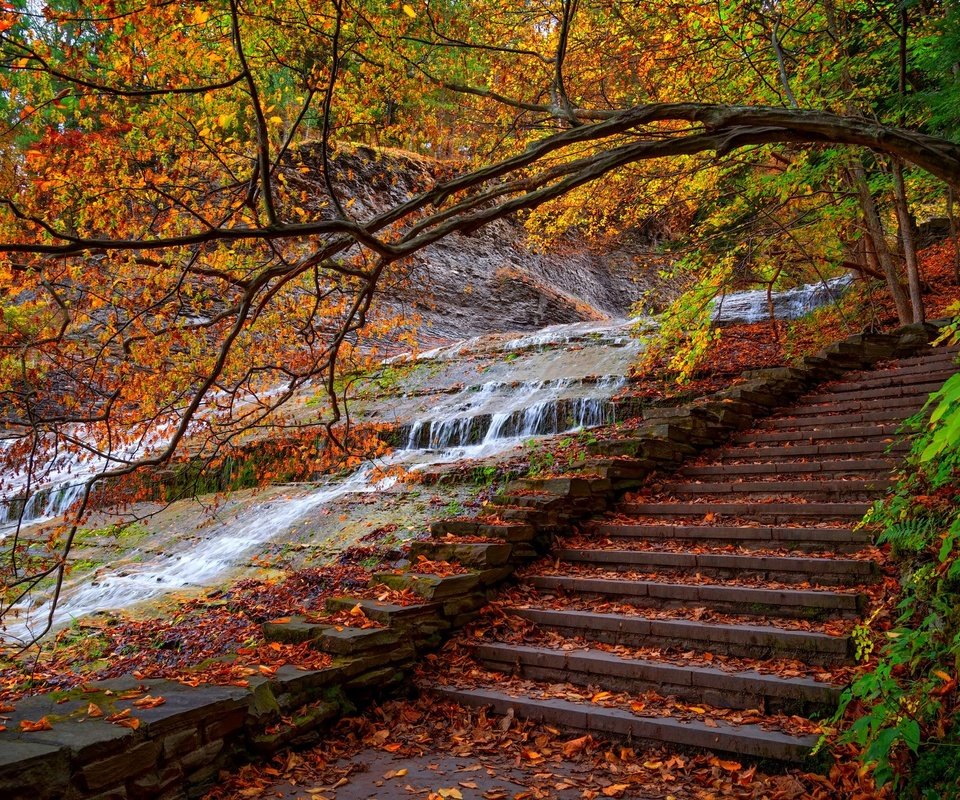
[(902, 713)]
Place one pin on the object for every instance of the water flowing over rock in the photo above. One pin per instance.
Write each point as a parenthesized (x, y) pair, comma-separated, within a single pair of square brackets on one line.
[(754, 306), (559, 393)]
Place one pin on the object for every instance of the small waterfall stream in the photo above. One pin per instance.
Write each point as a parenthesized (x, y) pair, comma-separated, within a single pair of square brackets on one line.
[(754, 306), (570, 374), (491, 412), (474, 422)]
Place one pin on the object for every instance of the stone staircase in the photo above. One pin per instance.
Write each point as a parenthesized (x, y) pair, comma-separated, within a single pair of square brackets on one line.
[(713, 607)]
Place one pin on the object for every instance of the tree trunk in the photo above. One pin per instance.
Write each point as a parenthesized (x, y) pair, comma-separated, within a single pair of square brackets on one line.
[(906, 238), (955, 240), (871, 218)]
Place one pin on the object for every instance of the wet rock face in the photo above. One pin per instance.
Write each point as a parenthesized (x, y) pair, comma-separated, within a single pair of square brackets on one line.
[(491, 281)]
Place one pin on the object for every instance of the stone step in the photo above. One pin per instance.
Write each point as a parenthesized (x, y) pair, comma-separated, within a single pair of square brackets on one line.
[(823, 434), (716, 687), (850, 466), (913, 391), (728, 597), (505, 531), (481, 555), (746, 641), (390, 614), (574, 487), (791, 538), (785, 569), (767, 453), (904, 406), (883, 379), (893, 416), (745, 740), (544, 502), (815, 488), (763, 512), (936, 355), (436, 587)]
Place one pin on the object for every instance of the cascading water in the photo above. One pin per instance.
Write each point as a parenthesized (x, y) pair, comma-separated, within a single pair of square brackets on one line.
[(198, 566), (496, 412), (474, 422), (754, 306), (56, 485), (560, 392)]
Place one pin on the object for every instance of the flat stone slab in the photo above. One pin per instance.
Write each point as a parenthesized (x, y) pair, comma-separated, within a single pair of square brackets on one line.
[(856, 568), (596, 664), (749, 510), (350, 641), (385, 613), (748, 740), (32, 771), (469, 554), (881, 467), (291, 630), (429, 587), (781, 487), (758, 533)]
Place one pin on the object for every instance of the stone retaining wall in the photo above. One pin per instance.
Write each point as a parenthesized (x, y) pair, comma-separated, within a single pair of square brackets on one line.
[(178, 747)]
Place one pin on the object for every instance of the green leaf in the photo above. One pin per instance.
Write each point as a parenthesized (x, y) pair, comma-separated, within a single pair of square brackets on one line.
[(910, 733)]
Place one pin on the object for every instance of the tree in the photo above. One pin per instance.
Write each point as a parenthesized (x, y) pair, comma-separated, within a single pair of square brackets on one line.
[(173, 236)]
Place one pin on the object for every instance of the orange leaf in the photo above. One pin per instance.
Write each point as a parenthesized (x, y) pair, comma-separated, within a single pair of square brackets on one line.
[(616, 790), (133, 723), (40, 725), (149, 702), (729, 766), (93, 710), (268, 671), (119, 716), (575, 746)]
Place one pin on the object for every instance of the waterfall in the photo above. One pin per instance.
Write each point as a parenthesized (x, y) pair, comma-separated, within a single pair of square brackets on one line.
[(561, 393), (119, 587), (497, 414), (754, 306)]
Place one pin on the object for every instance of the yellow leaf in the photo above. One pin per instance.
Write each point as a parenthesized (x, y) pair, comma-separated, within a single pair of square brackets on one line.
[(200, 16), (408, 10), (276, 120)]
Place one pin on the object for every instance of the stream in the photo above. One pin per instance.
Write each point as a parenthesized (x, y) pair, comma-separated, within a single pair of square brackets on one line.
[(475, 399)]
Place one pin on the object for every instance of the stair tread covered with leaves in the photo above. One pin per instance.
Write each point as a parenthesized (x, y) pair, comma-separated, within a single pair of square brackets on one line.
[(712, 607)]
